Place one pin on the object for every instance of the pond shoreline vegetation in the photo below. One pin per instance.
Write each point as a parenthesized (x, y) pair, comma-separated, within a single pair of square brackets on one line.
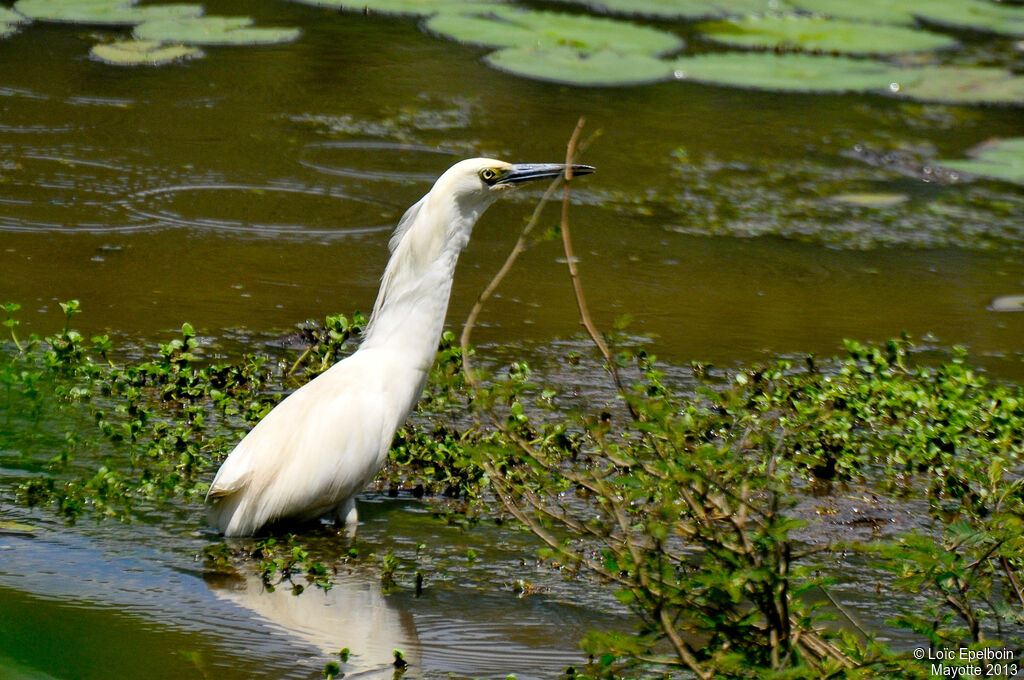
[(676, 498), (681, 509)]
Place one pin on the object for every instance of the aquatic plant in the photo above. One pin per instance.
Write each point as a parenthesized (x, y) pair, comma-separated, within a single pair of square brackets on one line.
[(818, 34), (578, 49), (677, 500), (1001, 159), (151, 52), (212, 30), (587, 51), (164, 34)]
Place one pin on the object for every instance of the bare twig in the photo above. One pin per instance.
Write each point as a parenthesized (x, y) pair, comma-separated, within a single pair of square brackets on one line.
[(517, 250), (574, 275), (1008, 568)]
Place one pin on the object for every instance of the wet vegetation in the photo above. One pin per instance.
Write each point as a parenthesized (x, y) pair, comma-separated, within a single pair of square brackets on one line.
[(675, 496), (710, 503)]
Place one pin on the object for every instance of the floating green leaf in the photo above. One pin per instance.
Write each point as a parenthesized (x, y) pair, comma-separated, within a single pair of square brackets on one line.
[(998, 159), (690, 9), (16, 528), (570, 66), (870, 11), (102, 12), (870, 199), (954, 84), (820, 34), (500, 27), (148, 52), (213, 30), (1008, 303), (400, 7), (8, 16), (785, 72), (977, 15)]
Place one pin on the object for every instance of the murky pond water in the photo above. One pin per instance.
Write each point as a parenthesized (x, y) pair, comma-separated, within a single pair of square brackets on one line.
[(257, 187)]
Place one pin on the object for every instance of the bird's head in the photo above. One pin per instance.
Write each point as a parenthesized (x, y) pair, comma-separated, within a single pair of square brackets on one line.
[(443, 219), (484, 179)]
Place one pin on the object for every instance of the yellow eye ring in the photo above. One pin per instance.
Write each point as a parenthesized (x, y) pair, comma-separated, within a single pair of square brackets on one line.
[(488, 174)]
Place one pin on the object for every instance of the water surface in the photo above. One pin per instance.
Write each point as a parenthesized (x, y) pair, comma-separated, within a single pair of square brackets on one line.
[(256, 188)]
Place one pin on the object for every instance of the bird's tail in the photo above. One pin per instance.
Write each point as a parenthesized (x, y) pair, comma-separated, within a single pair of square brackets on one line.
[(225, 513)]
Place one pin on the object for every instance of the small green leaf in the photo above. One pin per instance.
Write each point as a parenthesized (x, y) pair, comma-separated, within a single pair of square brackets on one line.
[(213, 30), (499, 27), (570, 66), (818, 34), (143, 52)]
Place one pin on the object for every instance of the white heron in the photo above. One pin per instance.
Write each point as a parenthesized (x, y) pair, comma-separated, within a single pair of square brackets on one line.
[(311, 455)]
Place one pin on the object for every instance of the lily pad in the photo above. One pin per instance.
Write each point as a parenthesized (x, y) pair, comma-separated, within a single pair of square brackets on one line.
[(978, 15), (998, 159), (819, 34), (422, 8), (869, 11), (785, 72), (102, 12), (953, 84), (502, 27), (148, 52), (1008, 303), (686, 9), (17, 528), (213, 30), (8, 16), (570, 66), (870, 199)]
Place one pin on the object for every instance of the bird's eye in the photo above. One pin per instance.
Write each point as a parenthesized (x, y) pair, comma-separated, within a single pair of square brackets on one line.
[(488, 174)]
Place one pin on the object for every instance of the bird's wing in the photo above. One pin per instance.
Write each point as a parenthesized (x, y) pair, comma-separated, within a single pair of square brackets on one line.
[(318, 446)]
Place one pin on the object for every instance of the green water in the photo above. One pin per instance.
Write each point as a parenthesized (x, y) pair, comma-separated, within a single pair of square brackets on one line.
[(257, 187)]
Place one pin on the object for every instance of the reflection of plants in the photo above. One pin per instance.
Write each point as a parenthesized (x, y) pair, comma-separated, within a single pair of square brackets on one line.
[(809, 200)]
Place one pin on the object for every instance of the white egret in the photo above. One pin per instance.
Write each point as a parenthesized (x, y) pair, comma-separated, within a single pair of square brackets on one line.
[(311, 455)]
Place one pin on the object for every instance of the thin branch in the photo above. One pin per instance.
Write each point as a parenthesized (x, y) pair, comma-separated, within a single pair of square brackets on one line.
[(517, 250), (574, 275), (843, 611), (1008, 568)]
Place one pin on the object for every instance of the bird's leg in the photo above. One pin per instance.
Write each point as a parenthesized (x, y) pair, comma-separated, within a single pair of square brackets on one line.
[(345, 515)]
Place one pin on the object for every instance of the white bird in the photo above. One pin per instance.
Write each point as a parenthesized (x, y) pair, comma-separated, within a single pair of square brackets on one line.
[(311, 455)]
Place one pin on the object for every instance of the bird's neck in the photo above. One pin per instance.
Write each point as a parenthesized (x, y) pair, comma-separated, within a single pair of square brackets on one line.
[(411, 306)]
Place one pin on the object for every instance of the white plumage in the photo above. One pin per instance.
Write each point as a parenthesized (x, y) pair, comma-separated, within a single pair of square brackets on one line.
[(318, 448)]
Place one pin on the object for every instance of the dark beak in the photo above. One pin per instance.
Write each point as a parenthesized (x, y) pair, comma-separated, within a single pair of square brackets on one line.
[(528, 172)]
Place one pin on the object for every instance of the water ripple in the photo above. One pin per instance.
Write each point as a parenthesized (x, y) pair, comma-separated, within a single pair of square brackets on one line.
[(377, 160), (269, 210)]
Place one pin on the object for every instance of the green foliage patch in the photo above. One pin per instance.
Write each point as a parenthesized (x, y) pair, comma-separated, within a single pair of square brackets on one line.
[(677, 497)]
